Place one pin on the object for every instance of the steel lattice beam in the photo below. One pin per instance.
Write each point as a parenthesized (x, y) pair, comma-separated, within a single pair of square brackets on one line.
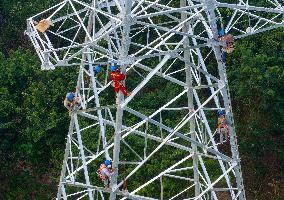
[(165, 41)]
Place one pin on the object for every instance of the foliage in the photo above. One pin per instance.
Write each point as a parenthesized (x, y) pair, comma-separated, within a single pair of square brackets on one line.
[(32, 125), (256, 76)]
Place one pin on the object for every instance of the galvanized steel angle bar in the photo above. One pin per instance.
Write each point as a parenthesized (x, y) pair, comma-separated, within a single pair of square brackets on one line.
[(170, 10), (249, 8), (175, 130), (160, 174)]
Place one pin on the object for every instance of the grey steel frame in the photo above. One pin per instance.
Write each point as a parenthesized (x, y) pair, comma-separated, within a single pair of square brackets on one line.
[(118, 22)]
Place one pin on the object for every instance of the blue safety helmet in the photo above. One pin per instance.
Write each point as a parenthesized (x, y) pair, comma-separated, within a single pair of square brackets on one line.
[(108, 163), (97, 68), (221, 112), (222, 32), (113, 68), (70, 96)]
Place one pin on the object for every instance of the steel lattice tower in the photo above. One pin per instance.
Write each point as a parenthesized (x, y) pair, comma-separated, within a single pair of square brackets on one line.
[(167, 149)]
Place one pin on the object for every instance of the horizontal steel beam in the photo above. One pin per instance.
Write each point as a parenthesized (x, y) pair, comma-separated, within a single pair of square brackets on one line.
[(250, 8), (105, 190)]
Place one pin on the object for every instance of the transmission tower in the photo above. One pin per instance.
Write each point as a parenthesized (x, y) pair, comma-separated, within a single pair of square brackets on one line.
[(169, 148)]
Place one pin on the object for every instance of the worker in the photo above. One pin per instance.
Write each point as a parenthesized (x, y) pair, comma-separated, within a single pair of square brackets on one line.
[(228, 41), (222, 31), (43, 25), (223, 128), (105, 172), (117, 77), (71, 100)]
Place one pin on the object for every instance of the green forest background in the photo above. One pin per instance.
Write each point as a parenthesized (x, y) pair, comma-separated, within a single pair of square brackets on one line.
[(34, 123)]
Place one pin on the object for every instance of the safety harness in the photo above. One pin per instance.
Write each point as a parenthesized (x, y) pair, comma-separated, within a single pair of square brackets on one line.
[(100, 172)]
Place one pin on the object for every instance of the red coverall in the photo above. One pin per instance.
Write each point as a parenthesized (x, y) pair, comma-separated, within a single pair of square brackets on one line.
[(116, 78)]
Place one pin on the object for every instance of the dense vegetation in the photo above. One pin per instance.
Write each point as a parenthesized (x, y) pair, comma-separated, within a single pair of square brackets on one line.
[(33, 122)]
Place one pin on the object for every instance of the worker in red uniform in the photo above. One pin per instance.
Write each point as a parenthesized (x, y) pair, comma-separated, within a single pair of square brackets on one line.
[(117, 77)]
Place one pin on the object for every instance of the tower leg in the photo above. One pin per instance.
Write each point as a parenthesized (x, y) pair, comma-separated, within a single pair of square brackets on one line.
[(190, 102), (120, 98), (226, 96), (86, 173), (61, 189)]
